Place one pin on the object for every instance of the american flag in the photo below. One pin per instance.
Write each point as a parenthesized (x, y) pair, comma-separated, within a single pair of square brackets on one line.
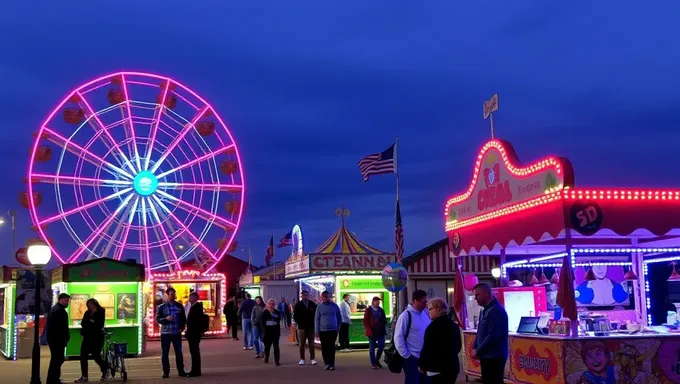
[(286, 241), (270, 252), (399, 236), (378, 163)]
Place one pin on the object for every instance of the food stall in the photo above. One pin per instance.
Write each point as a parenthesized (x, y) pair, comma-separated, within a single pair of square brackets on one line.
[(585, 247), (344, 264), (17, 319), (117, 286), (211, 289), (268, 282)]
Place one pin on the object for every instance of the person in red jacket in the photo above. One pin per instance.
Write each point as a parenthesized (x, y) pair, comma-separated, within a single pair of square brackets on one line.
[(375, 324)]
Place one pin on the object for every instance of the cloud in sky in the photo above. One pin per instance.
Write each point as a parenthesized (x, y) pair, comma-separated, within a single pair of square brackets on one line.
[(308, 88)]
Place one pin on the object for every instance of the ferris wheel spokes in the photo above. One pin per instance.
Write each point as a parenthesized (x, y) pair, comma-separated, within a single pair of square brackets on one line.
[(168, 212), (197, 160), (154, 126), (199, 187), (98, 125), (159, 222), (85, 154), (205, 215), (83, 207), (90, 239), (73, 180), (121, 225), (188, 127), (130, 124), (126, 232)]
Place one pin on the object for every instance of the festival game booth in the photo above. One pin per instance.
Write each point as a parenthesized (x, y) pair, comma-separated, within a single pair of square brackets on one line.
[(343, 264), (17, 319), (117, 286), (590, 322), (211, 289)]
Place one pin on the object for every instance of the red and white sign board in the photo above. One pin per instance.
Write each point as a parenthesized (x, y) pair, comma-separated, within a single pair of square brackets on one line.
[(21, 256), (331, 263), (499, 183), (296, 266)]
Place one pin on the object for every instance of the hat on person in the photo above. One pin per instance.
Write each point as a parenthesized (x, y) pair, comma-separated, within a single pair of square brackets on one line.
[(376, 298)]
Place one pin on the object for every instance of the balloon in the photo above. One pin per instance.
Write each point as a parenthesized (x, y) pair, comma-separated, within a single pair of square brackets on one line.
[(469, 281), (394, 277)]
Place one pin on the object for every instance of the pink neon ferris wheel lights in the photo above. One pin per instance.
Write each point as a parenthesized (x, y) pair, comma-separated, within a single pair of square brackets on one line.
[(137, 171)]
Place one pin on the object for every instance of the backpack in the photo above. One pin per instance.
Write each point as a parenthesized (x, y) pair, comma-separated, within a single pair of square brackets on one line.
[(393, 359), (205, 322)]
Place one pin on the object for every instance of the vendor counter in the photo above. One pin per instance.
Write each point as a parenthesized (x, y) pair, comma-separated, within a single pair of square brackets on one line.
[(649, 358)]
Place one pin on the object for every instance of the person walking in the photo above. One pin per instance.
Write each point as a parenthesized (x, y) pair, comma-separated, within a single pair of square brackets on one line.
[(327, 323), (197, 324), (271, 319), (284, 310), (491, 340), (303, 314), (442, 343), (375, 327), (409, 334), (92, 331), (345, 312), (245, 310), (172, 319), (230, 313), (57, 337), (256, 321)]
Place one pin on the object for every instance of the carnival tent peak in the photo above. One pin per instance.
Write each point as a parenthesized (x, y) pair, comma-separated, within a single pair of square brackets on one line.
[(345, 242)]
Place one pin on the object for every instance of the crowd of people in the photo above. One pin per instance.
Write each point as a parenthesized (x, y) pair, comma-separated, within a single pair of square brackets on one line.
[(425, 338)]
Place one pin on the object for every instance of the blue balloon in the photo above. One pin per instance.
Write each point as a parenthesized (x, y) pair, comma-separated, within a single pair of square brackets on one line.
[(394, 277)]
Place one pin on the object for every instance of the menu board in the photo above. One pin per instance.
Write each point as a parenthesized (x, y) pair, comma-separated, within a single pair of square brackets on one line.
[(522, 304)]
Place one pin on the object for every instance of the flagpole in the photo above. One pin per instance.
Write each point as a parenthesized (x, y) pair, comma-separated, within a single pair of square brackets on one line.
[(400, 297), (396, 164)]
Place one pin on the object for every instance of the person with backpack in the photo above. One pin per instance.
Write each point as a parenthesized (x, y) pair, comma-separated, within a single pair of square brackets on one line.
[(197, 324), (409, 335)]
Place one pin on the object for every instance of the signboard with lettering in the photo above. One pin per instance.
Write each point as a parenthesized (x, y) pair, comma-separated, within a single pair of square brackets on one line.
[(332, 263), (498, 182), (536, 361), (297, 265), (103, 270)]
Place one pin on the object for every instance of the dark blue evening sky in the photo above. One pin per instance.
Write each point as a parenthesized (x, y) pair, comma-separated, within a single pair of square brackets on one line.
[(309, 87)]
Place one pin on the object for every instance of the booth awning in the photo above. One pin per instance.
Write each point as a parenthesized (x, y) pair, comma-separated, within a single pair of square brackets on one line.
[(436, 259), (344, 242)]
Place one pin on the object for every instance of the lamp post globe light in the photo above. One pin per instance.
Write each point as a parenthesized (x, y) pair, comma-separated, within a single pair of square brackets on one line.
[(38, 255)]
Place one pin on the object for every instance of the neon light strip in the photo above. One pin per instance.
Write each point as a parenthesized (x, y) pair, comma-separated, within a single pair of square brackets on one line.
[(123, 85)]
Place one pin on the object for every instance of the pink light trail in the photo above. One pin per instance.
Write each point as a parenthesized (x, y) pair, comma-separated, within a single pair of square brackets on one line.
[(73, 180), (84, 207), (179, 138), (132, 124), (188, 207), (154, 125)]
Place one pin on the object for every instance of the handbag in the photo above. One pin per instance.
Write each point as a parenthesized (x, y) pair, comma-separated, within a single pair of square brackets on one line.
[(392, 358)]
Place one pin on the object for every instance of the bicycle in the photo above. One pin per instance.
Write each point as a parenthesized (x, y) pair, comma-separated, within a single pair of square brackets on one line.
[(115, 356)]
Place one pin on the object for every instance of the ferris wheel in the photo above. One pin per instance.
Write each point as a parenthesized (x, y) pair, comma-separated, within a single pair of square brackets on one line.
[(136, 166)]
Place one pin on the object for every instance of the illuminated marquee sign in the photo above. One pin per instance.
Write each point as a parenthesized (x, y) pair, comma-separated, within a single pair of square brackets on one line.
[(350, 262), (498, 183)]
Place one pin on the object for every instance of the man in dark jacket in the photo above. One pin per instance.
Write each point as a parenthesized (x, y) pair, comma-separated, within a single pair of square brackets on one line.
[(303, 314), (491, 342), (196, 322), (173, 319), (231, 314), (57, 337), (245, 311)]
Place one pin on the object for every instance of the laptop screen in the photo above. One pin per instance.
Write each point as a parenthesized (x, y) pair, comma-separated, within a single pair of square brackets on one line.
[(528, 325)]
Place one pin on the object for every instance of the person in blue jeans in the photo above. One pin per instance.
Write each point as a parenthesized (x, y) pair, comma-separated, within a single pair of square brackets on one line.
[(375, 326), (172, 319), (245, 310), (409, 336), (258, 327)]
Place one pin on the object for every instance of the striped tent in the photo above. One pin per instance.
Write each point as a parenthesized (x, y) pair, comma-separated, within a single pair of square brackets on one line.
[(344, 242)]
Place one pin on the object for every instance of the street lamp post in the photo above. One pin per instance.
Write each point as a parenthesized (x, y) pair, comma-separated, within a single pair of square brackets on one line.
[(38, 255)]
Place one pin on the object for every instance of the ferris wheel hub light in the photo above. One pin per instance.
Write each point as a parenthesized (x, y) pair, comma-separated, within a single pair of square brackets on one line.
[(145, 183)]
